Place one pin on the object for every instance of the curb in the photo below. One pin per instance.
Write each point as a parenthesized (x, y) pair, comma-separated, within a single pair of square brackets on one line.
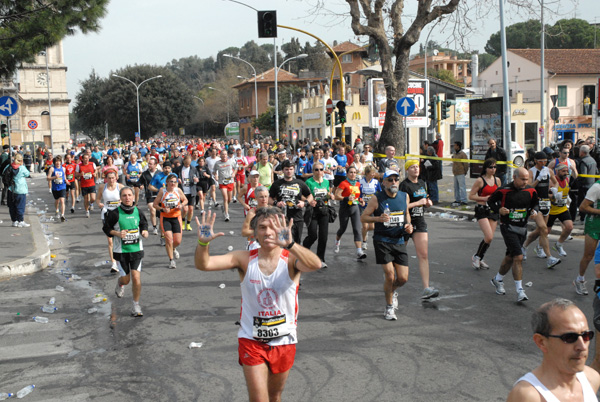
[(34, 262)]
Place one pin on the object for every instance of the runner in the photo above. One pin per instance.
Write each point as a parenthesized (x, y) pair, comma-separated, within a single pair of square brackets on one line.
[(260, 198), (590, 206), (210, 163), (265, 170), (86, 174), (58, 177), (204, 183), (559, 209), (70, 168), (369, 185), (145, 181), (241, 164), (126, 224), (485, 185), (188, 179), (418, 201), (109, 199), (318, 210), (348, 194), (170, 201), (133, 171), (389, 211), (541, 178), (223, 174), (270, 278), (515, 202)]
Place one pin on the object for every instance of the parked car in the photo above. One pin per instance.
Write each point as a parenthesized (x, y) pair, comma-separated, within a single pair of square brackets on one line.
[(518, 154)]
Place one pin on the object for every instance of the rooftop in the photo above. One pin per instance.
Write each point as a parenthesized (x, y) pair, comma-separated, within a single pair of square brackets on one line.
[(564, 61)]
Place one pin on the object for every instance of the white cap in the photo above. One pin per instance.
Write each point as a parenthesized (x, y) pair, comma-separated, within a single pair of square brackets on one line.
[(254, 173)]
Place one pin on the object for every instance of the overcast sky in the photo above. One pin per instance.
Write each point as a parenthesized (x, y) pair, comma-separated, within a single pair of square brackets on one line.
[(158, 31)]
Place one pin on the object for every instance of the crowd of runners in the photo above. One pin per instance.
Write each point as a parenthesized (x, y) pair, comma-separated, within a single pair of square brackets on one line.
[(163, 187)]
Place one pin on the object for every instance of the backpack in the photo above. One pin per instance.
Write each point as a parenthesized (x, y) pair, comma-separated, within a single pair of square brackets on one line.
[(8, 175)]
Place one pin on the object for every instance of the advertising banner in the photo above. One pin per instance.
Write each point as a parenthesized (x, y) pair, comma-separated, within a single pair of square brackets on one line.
[(486, 121), (461, 113)]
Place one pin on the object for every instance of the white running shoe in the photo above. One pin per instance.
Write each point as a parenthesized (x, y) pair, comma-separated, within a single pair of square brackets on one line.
[(24, 224), (226, 217), (175, 253), (155, 232), (390, 314), (476, 262), (87, 214), (119, 290), (162, 241), (15, 224), (524, 250), (560, 249), (580, 287), (395, 301), (552, 262), (483, 265), (499, 285), (364, 245), (521, 296), (337, 248), (137, 310), (539, 251), (172, 264), (360, 256), (569, 238)]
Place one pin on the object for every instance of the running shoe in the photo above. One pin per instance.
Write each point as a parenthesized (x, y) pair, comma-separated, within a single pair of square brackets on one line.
[(499, 285), (337, 248), (172, 264), (15, 224), (119, 290), (50, 190), (196, 207), (524, 251), (57, 215), (521, 296), (226, 217), (390, 314), (483, 265), (189, 227), (395, 300), (62, 218), (429, 293), (360, 255), (324, 265), (162, 241), (72, 210), (78, 199), (24, 224), (137, 310), (216, 204), (364, 245), (175, 253), (552, 262), (87, 214), (580, 288), (234, 200), (91, 207), (476, 262), (155, 231), (202, 212), (539, 251), (114, 267), (560, 249), (569, 238)]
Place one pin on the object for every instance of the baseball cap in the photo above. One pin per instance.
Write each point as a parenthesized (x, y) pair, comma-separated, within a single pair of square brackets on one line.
[(540, 155), (254, 173), (390, 172)]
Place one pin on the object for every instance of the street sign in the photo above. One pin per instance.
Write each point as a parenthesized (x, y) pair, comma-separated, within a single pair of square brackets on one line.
[(8, 106), (294, 135), (418, 91), (257, 131), (405, 106), (381, 118), (32, 124), (137, 134), (554, 113), (329, 106)]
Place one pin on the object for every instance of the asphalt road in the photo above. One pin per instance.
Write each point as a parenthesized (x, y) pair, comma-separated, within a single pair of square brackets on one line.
[(468, 345)]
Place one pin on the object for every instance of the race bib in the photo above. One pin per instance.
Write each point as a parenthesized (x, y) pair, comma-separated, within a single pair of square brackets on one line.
[(132, 237), (227, 181), (58, 180), (561, 202), (396, 218), (367, 197), (112, 204), (70, 177), (417, 211), (320, 193), (267, 328), (186, 182), (545, 204), (87, 175), (517, 214), (133, 177)]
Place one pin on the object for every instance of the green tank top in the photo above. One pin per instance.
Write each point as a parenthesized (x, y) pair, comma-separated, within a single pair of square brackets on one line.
[(132, 241), (592, 221)]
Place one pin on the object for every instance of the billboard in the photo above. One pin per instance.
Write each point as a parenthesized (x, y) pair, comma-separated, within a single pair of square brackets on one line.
[(486, 121), (377, 102), (232, 130), (418, 91), (461, 113)]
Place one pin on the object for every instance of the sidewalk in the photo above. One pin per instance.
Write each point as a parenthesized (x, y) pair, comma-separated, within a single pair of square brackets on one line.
[(24, 250)]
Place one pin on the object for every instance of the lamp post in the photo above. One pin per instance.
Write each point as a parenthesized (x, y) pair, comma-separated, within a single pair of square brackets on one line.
[(137, 93), (203, 122), (300, 56), (226, 97), (255, 84)]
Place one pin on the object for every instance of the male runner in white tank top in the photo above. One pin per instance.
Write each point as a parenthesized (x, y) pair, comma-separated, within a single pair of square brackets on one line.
[(269, 278), (561, 332)]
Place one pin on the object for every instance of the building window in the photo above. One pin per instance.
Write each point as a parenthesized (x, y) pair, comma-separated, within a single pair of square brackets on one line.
[(513, 132), (562, 96), (531, 130), (347, 58), (272, 95), (589, 92)]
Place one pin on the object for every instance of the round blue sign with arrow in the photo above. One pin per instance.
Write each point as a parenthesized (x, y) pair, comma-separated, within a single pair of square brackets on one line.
[(8, 106), (405, 106)]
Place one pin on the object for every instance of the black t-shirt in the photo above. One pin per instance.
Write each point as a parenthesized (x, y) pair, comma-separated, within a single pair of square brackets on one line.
[(416, 191), (385, 164), (520, 203), (291, 193)]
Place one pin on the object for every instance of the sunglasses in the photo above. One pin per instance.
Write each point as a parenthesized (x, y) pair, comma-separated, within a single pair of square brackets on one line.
[(572, 337), (318, 170), (173, 181), (492, 167), (393, 179)]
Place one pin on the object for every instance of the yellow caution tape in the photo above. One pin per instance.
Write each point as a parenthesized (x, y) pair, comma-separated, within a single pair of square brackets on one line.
[(437, 158)]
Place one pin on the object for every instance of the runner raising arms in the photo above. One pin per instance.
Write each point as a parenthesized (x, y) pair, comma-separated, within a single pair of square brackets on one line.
[(270, 278)]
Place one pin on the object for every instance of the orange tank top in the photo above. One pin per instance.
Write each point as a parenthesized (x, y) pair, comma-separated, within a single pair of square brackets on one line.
[(170, 200)]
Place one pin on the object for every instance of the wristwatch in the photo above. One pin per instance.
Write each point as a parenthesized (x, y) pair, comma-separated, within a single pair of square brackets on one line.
[(289, 246)]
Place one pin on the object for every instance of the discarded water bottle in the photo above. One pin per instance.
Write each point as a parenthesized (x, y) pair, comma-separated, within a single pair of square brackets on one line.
[(4, 395), (98, 299), (46, 308), (99, 263), (222, 286), (41, 320), (445, 215), (25, 391), (92, 310), (50, 263), (52, 300), (230, 248), (195, 345), (60, 288), (386, 211), (231, 232)]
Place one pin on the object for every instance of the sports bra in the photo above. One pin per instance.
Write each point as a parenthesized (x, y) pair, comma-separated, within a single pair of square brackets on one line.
[(487, 190)]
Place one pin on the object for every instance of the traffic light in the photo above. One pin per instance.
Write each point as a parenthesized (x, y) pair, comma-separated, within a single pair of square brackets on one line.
[(432, 114), (337, 118), (328, 119), (267, 24), (445, 113), (4, 130), (373, 51), (341, 106), (273, 120)]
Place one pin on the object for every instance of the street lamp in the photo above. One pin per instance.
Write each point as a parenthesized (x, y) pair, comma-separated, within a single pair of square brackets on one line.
[(226, 97), (300, 56), (203, 121), (255, 85), (137, 93)]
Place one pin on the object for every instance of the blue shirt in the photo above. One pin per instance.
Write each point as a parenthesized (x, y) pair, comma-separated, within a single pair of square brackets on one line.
[(309, 165), (143, 151), (342, 160), (160, 179)]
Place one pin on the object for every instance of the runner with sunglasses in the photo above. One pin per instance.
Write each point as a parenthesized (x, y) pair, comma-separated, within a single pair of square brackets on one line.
[(170, 201), (561, 331)]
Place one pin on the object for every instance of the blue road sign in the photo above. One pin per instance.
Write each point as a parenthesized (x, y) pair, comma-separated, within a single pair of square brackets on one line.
[(8, 106), (405, 106)]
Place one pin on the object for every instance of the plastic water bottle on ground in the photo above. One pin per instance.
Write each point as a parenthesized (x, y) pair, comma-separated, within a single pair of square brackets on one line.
[(230, 248), (92, 310), (60, 288), (222, 286), (4, 395), (46, 308), (25, 391), (75, 277), (445, 215), (52, 300), (99, 298), (195, 345), (41, 320), (99, 263)]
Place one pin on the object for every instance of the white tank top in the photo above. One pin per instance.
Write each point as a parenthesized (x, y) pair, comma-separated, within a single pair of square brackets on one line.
[(269, 303), (588, 392), (111, 199)]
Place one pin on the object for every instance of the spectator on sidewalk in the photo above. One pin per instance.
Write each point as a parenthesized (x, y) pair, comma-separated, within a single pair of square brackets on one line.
[(459, 170), (438, 144), (433, 170), (17, 192), (499, 154)]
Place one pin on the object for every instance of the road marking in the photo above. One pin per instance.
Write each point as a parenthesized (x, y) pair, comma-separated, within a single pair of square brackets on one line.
[(40, 349)]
